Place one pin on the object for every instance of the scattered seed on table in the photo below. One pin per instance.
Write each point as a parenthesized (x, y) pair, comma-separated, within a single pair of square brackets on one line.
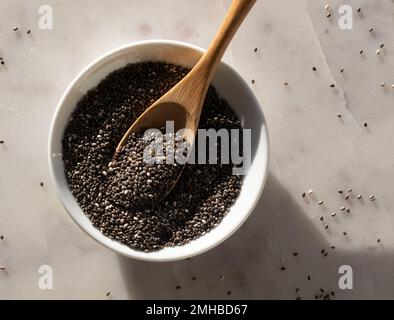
[(342, 70), (370, 29), (320, 202), (333, 214), (333, 247), (372, 197), (14, 28), (344, 233), (383, 84), (347, 197), (350, 190), (1, 237), (3, 268), (326, 226), (359, 196), (347, 210), (310, 191), (229, 292), (1, 141), (332, 85), (296, 290), (308, 277), (328, 14), (326, 7), (108, 293), (321, 218), (222, 278), (253, 81), (340, 191), (325, 254), (295, 254), (283, 268), (285, 83), (392, 86), (378, 240), (314, 68), (361, 51), (28, 31), (381, 46), (303, 194), (359, 10), (255, 49), (342, 208), (194, 278), (378, 51), (2, 62), (41, 184), (298, 298), (178, 287), (339, 115)]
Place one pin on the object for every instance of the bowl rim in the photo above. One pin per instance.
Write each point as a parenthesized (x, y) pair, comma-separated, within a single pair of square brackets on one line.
[(144, 256)]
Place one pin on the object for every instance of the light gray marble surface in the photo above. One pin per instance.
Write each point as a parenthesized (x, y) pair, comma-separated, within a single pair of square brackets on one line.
[(310, 149)]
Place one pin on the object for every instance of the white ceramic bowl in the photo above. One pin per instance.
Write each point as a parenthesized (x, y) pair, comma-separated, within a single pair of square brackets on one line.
[(229, 85)]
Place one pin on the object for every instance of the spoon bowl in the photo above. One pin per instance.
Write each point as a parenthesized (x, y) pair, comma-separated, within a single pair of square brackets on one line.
[(156, 117)]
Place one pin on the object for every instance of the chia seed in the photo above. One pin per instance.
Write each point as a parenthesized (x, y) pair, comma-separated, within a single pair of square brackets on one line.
[(150, 183), (203, 194)]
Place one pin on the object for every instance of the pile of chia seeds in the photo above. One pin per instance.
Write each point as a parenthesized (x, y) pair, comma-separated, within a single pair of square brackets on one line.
[(138, 180), (203, 194)]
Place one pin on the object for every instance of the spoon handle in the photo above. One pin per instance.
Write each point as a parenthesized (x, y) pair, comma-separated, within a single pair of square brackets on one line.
[(236, 14)]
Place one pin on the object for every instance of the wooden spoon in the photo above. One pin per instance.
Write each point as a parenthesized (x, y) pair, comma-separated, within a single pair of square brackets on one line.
[(184, 102)]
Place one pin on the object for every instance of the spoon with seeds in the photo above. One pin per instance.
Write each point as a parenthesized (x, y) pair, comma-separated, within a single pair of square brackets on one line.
[(184, 102)]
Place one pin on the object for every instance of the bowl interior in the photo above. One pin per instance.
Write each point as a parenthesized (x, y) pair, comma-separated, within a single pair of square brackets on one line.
[(229, 85)]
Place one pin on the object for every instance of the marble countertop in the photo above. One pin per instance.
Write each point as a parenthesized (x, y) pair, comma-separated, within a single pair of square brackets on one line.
[(311, 148)]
